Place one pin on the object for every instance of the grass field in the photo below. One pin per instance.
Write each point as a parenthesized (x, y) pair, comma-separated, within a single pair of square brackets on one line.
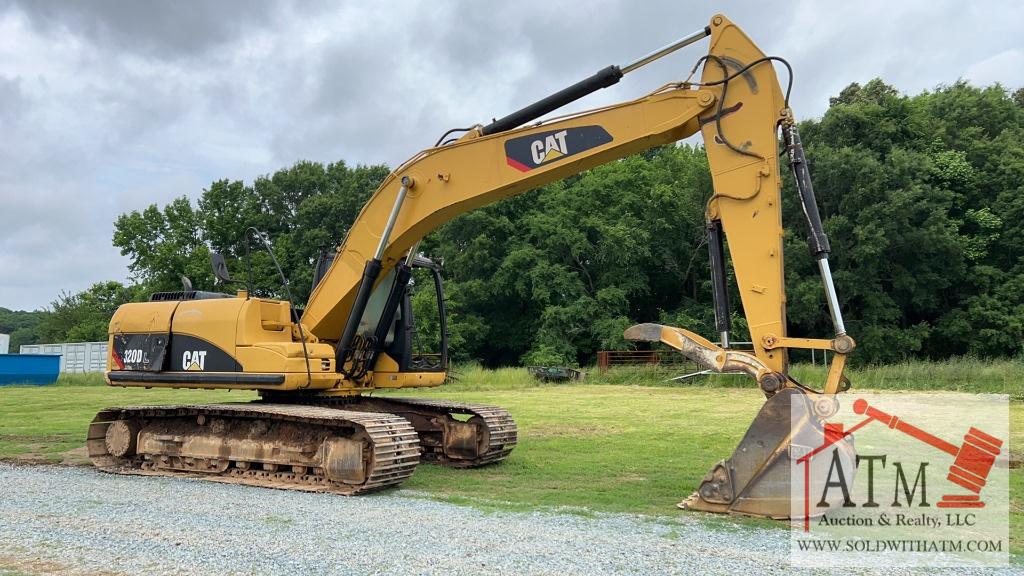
[(625, 441), (957, 375)]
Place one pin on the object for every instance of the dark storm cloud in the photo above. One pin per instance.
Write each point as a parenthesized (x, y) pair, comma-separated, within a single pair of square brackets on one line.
[(109, 106), (161, 29)]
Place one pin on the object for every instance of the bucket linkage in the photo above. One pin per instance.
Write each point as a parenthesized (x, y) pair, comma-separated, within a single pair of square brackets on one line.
[(755, 479)]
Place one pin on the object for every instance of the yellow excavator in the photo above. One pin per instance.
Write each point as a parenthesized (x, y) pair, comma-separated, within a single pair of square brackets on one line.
[(316, 425)]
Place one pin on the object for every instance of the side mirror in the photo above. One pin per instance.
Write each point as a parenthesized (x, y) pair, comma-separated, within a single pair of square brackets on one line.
[(220, 267)]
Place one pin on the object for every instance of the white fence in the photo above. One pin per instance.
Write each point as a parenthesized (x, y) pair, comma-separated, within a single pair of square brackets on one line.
[(74, 356)]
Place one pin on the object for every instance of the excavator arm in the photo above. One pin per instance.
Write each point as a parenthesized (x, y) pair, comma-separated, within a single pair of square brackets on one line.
[(745, 209)]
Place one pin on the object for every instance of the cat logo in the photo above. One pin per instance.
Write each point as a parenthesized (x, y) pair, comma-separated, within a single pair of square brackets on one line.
[(528, 152), (194, 360), (549, 148)]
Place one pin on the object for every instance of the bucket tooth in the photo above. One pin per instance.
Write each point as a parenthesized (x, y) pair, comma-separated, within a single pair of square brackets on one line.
[(717, 487)]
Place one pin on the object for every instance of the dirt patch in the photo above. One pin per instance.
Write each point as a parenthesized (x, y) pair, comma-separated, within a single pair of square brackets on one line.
[(33, 454), (76, 457), (41, 449), (34, 437), (559, 430)]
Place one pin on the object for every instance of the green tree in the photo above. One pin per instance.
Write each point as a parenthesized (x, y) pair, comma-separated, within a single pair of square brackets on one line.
[(922, 200), (560, 272), (84, 317), (301, 208), (22, 326), (165, 245)]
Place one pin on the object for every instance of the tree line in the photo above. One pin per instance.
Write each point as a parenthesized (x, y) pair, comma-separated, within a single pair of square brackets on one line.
[(922, 197)]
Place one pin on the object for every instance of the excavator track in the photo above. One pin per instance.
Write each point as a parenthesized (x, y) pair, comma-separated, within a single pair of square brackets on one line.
[(453, 434), (309, 448), (496, 433)]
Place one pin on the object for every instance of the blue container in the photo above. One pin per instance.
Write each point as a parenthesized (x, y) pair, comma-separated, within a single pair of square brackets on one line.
[(29, 368)]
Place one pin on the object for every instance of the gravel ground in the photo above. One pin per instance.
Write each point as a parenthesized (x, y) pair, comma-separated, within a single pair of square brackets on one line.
[(80, 521)]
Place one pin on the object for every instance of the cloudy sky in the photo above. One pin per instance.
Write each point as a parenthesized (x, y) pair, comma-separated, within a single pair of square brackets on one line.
[(108, 106)]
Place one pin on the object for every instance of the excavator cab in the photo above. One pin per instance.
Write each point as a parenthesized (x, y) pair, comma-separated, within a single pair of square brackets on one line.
[(411, 348), (405, 348)]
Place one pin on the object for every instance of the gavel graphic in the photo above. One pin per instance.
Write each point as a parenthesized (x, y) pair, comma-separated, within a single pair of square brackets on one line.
[(972, 462)]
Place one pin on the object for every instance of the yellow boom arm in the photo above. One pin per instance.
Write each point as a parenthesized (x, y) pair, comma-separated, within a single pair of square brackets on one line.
[(740, 134)]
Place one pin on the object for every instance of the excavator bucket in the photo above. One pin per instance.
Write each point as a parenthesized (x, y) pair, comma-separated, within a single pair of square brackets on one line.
[(756, 479)]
